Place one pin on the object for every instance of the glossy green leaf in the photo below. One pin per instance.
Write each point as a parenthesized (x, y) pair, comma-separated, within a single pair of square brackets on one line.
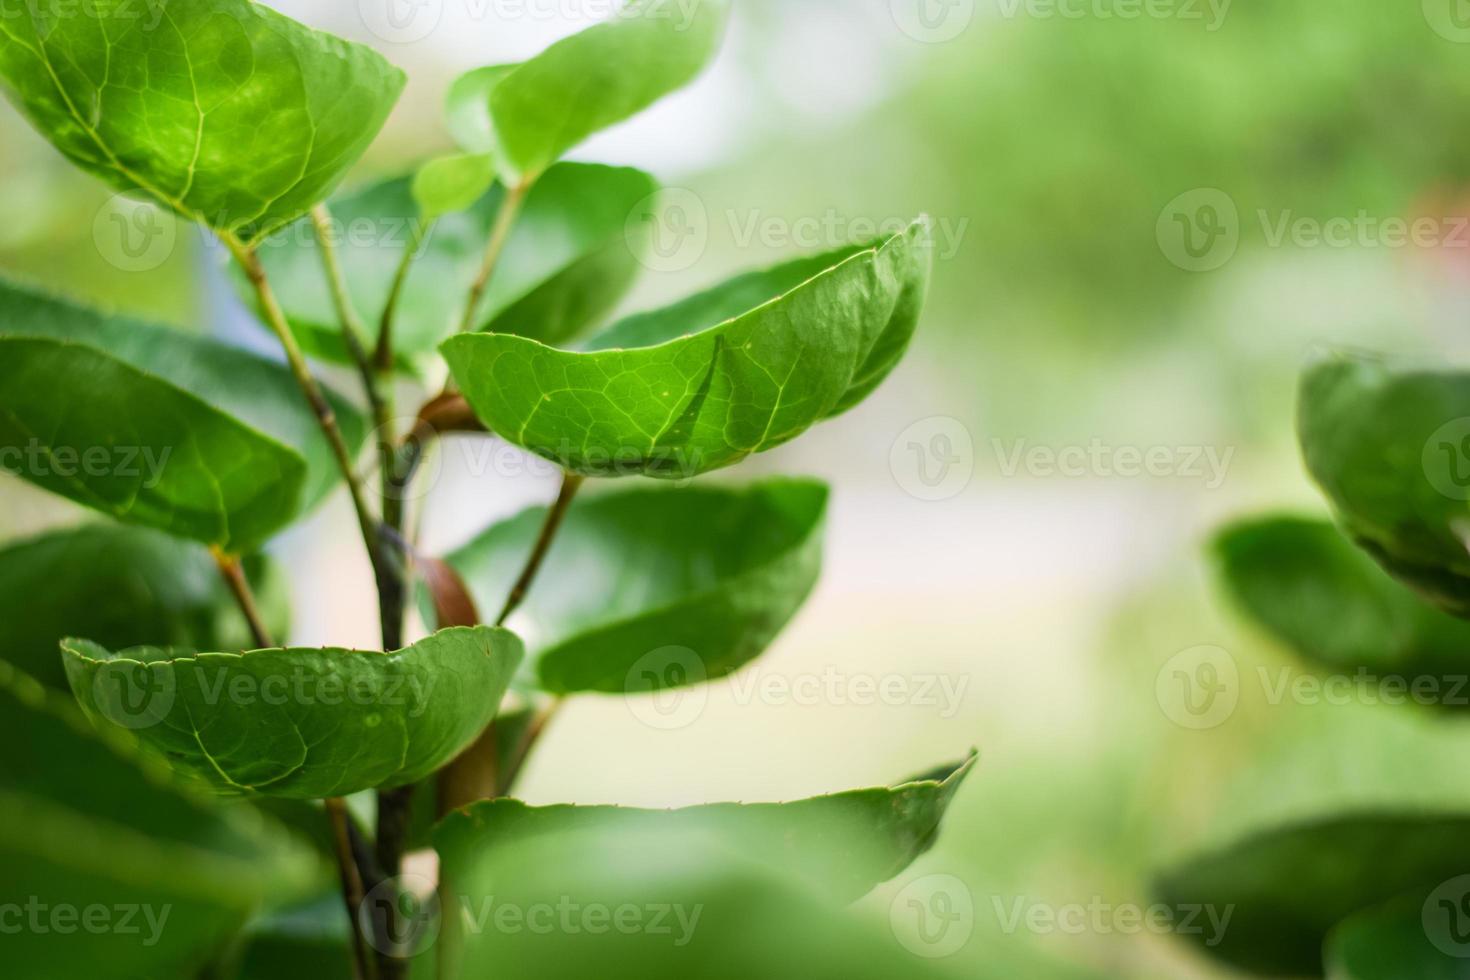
[(842, 845), (84, 826), (89, 427), (302, 724), (121, 587), (1307, 584), (535, 112), (1419, 936), (1286, 888), (629, 904), (569, 260), (186, 371), (452, 183), (1388, 445), (711, 381), (708, 577), (223, 110)]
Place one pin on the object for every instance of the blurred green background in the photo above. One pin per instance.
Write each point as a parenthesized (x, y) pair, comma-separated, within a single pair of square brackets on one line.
[(1064, 150)]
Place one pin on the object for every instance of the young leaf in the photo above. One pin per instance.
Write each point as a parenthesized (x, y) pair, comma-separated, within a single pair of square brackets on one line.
[(83, 825), (1392, 941), (259, 392), (1288, 887), (842, 845), (223, 110), (126, 587), (530, 115), (1305, 583), (92, 428), (1387, 445), (569, 260), (448, 184), (302, 724), (701, 387), (713, 573)]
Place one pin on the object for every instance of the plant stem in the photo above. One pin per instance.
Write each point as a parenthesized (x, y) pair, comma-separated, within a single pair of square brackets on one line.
[(233, 573), (347, 316), (570, 484), (505, 219), (326, 417), (383, 352), (353, 895), (506, 781)]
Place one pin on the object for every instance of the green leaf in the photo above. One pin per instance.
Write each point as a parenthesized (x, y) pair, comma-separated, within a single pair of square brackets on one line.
[(1286, 888), (625, 904), (1394, 941), (223, 110), (1307, 585), (302, 724), (452, 183), (1387, 445), (842, 845), (186, 371), (711, 381), (153, 455), (84, 825), (530, 115), (123, 587), (568, 261), (713, 574)]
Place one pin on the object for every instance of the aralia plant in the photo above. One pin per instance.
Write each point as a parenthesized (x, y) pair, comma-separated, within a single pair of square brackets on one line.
[(217, 773), (1380, 598)]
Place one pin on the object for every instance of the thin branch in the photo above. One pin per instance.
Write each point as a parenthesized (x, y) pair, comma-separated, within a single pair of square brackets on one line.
[(326, 418), (353, 895), (347, 316), (506, 781), (505, 219), (383, 353), (570, 484), (233, 573)]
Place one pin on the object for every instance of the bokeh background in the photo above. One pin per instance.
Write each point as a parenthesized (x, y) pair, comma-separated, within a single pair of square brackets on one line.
[(1148, 216)]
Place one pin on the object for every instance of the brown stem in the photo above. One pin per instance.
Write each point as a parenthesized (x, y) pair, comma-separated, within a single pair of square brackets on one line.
[(352, 891), (570, 484), (233, 573), (505, 219)]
